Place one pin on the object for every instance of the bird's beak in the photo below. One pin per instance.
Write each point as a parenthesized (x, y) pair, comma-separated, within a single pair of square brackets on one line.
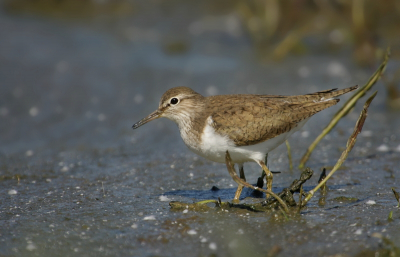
[(154, 115)]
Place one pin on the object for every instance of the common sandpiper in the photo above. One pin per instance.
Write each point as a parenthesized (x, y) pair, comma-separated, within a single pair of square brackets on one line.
[(248, 126)]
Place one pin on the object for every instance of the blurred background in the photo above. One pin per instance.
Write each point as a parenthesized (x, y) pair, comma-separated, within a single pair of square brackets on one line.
[(77, 62), (75, 75)]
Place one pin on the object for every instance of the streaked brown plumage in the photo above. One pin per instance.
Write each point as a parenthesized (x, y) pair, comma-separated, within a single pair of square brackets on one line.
[(249, 126)]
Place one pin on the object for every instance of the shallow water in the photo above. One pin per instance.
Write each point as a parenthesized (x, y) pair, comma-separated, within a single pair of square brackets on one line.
[(76, 179)]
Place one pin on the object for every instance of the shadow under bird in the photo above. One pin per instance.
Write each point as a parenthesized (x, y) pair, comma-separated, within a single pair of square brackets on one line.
[(248, 126)]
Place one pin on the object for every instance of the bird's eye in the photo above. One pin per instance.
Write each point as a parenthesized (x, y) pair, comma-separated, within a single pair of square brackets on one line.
[(174, 100)]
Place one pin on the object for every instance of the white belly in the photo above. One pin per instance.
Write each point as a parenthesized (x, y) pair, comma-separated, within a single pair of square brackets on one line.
[(214, 146)]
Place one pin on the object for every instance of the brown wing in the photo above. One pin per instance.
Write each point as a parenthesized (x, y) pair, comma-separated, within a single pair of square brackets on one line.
[(249, 119), (317, 96)]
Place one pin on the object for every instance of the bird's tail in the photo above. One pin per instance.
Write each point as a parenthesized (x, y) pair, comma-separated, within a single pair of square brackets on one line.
[(331, 93)]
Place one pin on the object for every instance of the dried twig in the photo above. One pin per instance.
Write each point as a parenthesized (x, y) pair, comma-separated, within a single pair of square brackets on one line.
[(350, 143), (322, 177), (287, 193), (397, 196), (346, 108), (300, 198), (235, 177), (289, 153)]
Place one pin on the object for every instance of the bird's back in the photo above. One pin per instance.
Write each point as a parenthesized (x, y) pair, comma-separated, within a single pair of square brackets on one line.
[(251, 119)]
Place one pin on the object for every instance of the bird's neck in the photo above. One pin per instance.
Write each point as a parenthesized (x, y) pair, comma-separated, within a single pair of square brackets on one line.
[(191, 121)]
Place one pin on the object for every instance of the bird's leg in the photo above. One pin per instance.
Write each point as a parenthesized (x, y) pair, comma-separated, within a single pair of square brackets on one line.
[(260, 180), (240, 187), (268, 175)]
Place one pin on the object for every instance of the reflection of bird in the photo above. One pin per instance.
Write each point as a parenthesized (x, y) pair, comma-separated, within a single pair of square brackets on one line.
[(248, 126)]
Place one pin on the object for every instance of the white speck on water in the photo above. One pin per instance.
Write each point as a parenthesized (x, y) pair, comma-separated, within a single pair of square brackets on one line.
[(352, 225), (366, 133), (305, 133), (371, 202), (150, 217), (213, 246), (185, 211), (191, 174), (397, 148), (12, 192), (358, 231), (164, 198), (138, 98), (64, 169), (383, 148), (203, 239), (336, 69), (240, 232), (48, 180), (192, 232), (34, 111), (29, 153), (304, 71), (101, 117), (31, 246), (172, 166), (134, 226)]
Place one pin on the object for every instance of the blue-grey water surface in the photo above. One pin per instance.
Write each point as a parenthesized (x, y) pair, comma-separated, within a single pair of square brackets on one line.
[(76, 180)]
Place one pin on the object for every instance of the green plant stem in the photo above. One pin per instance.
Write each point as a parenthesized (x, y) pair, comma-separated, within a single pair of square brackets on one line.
[(349, 146), (346, 108), (289, 152)]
